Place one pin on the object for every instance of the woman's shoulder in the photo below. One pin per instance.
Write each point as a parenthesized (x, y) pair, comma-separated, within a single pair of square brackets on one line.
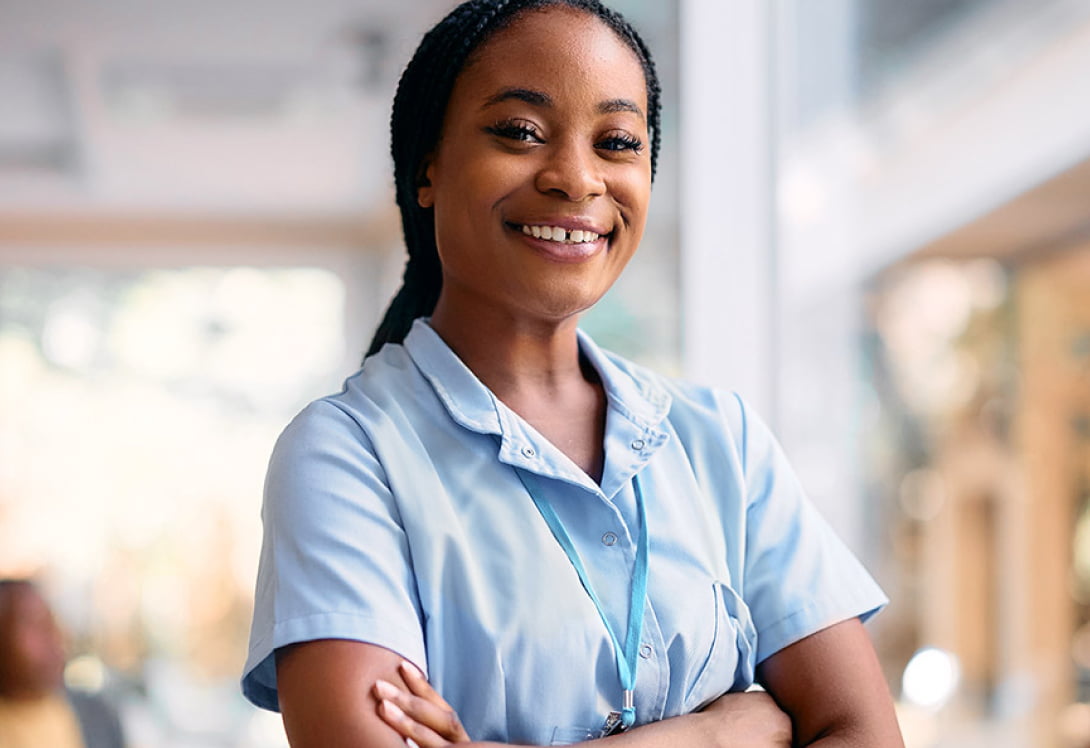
[(384, 383), (709, 421), (688, 400)]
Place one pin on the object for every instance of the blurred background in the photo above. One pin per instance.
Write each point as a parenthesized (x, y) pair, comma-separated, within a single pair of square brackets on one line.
[(872, 218)]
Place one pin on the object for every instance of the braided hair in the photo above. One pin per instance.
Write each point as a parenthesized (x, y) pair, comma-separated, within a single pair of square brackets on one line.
[(417, 118)]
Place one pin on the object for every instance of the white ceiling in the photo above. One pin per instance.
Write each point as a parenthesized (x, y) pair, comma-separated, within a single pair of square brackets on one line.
[(250, 107)]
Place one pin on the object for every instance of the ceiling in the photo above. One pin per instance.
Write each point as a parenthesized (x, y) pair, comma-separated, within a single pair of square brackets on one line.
[(245, 106), (1047, 217)]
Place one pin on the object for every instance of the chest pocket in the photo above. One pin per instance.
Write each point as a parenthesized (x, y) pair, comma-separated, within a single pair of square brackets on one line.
[(730, 663)]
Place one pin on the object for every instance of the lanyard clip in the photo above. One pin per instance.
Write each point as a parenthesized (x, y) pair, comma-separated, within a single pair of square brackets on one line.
[(614, 725), (618, 722)]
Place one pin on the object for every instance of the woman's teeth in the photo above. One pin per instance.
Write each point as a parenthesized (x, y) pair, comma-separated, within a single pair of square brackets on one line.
[(557, 234)]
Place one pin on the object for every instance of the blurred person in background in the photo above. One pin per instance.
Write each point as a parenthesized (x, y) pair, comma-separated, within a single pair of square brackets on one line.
[(36, 710)]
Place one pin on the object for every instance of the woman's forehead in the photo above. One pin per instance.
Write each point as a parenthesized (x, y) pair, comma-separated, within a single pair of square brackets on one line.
[(553, 48)]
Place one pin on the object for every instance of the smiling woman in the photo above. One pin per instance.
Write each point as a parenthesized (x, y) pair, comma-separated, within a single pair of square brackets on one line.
[(558, 147), (498, 531)]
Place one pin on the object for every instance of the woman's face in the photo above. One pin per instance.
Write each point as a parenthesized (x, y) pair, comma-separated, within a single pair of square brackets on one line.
[(545, 130)]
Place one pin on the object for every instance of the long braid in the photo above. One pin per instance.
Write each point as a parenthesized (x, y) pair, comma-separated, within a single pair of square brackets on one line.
[(416, 122)]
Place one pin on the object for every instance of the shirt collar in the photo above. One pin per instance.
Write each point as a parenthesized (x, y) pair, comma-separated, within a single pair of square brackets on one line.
[(465, 397), (635, 395)]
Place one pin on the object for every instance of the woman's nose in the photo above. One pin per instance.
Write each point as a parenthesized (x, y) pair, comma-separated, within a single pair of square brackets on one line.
[(572, 171)]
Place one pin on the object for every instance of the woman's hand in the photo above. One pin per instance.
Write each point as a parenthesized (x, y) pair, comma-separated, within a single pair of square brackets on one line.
[(734, 720), (752, 718), (420, 715)]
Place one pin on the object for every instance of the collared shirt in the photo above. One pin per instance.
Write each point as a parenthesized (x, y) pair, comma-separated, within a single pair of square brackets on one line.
[(394, 515)]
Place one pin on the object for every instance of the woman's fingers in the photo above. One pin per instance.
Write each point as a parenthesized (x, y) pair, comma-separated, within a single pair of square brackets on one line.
[(420, 714), (414, 732), (419, 685)]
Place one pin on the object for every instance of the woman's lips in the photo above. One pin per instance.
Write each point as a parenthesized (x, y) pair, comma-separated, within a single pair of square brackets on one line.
[(576, 245)]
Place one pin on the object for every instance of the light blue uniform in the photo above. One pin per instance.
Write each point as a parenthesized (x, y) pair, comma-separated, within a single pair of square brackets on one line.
[(394, 515)]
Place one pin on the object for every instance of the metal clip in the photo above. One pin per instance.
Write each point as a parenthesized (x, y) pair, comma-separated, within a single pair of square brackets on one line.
[(613, 725)]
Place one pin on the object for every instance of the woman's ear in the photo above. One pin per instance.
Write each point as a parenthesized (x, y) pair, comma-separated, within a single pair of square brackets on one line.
[(425, 193)]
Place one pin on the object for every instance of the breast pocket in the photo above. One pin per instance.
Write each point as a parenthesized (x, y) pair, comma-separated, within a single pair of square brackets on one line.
[(731, 660)]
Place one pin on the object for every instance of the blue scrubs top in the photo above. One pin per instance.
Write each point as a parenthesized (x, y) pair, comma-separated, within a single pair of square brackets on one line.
[(394, 515)]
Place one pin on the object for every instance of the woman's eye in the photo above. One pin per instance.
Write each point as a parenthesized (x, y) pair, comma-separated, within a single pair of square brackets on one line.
[(621, 143), (520, 131)]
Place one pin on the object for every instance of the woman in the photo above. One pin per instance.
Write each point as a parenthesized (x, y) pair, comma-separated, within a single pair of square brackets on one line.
[(567, 545)]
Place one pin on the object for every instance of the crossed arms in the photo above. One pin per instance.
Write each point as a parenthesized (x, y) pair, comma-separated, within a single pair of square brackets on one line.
[(826, 690)]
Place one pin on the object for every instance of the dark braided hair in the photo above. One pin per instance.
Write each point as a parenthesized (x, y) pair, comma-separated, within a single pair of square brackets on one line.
[(415, 124)]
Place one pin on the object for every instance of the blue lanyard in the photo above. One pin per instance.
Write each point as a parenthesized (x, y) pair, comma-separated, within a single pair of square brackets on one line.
[(626, 664)]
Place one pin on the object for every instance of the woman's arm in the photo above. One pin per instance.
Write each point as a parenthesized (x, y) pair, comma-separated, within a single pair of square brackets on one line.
[(831, 685), (326, 694), (735, 720), (329, 699)]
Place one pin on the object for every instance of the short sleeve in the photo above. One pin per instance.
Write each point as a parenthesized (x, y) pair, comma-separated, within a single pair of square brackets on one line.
[(799, 576), (334, 562)]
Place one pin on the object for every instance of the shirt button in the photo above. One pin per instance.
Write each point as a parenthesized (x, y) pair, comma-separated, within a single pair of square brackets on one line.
[(528, 452), (609, 538), (645, 651), (638, 444)]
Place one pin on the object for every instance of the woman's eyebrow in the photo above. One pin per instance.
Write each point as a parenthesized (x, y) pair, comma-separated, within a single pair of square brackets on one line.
[(540, 98), (620, 105), (527, 95)]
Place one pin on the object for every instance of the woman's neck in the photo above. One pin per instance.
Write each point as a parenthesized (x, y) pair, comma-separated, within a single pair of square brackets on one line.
[(536, 370), (515, 358)]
